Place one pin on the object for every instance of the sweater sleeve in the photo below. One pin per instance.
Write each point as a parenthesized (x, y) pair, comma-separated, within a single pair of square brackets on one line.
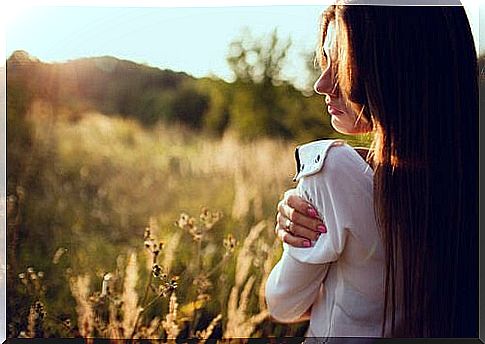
[(335, 191), (292, 287)]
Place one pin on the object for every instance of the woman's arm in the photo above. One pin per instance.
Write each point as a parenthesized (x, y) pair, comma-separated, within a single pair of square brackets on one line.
[(342, 194), (304, 317), (292, 288), (297, 220)]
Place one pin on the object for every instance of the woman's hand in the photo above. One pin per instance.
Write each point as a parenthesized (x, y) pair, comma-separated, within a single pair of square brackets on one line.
[(297, 221)]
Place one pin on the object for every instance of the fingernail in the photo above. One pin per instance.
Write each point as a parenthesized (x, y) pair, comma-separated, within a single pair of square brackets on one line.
[(306, 243), (312, 212), (322, 228)]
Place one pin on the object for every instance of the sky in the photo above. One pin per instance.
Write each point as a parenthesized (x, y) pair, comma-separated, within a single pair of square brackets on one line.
[(195, 40), (191, 39)]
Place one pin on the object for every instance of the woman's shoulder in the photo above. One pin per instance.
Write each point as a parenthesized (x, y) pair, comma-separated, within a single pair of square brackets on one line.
[(330, 158)]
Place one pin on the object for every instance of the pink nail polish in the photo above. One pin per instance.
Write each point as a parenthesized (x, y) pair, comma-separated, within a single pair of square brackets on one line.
[(322, 228), (306, 243), (312, 212)]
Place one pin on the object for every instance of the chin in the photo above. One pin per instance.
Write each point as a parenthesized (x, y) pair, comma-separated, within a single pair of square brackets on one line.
[(342, 129), (349, 129)]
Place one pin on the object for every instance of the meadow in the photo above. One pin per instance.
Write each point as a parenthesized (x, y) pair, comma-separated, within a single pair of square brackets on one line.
[(119, 231), (141, 203)]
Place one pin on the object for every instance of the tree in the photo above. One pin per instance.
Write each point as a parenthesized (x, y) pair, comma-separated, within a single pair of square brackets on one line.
[(258, 61), (257, 64)]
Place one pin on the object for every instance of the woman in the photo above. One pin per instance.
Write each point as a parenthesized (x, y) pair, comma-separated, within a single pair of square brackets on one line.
[(399, 255)]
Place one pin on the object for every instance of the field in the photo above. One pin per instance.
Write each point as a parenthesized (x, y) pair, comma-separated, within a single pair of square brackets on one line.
[(119, 231)]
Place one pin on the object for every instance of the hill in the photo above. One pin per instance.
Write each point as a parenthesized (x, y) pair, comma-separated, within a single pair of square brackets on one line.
[(119, 87)]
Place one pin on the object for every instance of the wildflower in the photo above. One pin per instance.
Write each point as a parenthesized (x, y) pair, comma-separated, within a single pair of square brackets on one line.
[(196, 233), (157, 248), (173, 284), (147, 233), (157, 270), (168, 286), (229, 244), (39, 309), (67, 322), (202, 283), (34, 321), (151, 245), (183, 221), (208, 218)]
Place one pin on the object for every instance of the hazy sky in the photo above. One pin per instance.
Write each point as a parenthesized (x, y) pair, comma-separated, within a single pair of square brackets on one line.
[(190, 39)]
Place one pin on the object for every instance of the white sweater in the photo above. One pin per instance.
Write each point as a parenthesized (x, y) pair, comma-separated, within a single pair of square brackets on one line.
[(342, 275)]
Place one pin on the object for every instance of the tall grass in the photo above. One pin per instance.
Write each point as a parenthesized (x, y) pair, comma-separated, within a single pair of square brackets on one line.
[(100, 183)]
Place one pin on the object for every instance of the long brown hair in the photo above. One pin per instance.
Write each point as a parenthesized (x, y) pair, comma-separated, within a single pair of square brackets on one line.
[(412, 72)]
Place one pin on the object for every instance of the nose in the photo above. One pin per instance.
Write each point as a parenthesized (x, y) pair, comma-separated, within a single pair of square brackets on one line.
[(326, 84)]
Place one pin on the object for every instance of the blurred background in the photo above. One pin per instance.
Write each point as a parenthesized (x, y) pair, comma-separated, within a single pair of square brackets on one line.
[(147, 149)]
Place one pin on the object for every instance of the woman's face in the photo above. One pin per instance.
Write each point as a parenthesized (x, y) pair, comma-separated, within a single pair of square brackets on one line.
[(343, 118)]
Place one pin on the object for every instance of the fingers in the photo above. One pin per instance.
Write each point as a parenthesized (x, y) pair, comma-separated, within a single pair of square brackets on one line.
[(291, 239), (295, 229), (299, 204), (299, 219)]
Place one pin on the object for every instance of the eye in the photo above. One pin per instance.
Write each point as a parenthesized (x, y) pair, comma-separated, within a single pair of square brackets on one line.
[(323, 60)]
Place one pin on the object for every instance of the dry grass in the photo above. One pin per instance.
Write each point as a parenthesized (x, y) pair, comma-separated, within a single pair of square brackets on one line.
[(170, 323), (115, 175), (239, 322), (85, 313), (129, 297)]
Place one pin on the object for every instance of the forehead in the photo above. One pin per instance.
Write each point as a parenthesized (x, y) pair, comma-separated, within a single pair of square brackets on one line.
[(330, 37)]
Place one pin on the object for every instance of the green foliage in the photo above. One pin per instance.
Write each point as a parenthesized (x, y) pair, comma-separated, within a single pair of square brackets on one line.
[(258, 61), (255, 110), (263, 104), (155, 105), (19, 131), (219, 96), (189, 107)]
